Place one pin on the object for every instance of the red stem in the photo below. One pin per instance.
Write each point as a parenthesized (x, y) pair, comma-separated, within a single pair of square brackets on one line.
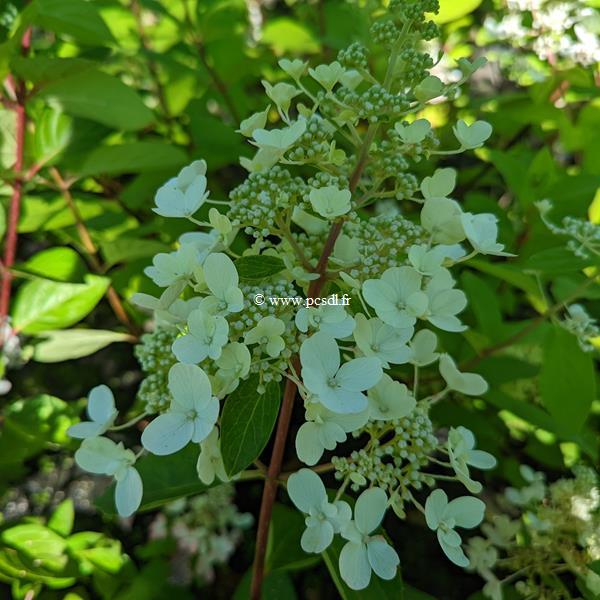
[(287, 405), (10, 248)]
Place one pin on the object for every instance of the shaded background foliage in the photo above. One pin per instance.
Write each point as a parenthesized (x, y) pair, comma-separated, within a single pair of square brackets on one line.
[(118, 96)]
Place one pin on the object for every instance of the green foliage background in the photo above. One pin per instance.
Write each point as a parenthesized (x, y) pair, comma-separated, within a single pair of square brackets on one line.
[(120, 95)]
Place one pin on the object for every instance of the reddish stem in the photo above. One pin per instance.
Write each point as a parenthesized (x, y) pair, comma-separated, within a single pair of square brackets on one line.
[(287, 405), (10, 248)]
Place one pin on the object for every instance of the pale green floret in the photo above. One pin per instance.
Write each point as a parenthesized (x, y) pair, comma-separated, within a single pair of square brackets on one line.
[(191, 415), (268, 334), (462, 453), (102, 456), (365, 553), (443, 517), (307, 492), (101, 411)]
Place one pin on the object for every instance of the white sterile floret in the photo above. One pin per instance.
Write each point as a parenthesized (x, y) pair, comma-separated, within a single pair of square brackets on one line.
[(330, 318), (330, 202), (279, 139), (233, 365), (308, 222), (388, 344), (414, 133), (431, 87), (102, 456), (101, 411), (346, 250), (422, 348), (281, 94), (167, 268), (390, 400), (207, 334), (324, 430), (253, 122), (462, 453), (444, 302), (191, 415), (327, 75), (482, 232), (472, 136), (364, 553), (396, 297), (351, 79), (443, 516), (307, 492), (441, 217), (440, 184), (222, 280), (210, 461), (267, 333), (470, 384), (425, 260), (184, 195), (294, 68), (337, 388)]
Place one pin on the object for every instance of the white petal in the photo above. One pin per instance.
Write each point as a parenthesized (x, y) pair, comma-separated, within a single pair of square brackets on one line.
[(354, 566), (101, 404), (454, 553), (466, 511), (190, 387), (435, 507), (308, 445), (382, 557), (316, 539), (320, 353), (359, 374), (168, 433), (205, 421), (188, 349), (220, 274), (128, 493), (86, 429), (306, 490), (370, 509), (100, 455)]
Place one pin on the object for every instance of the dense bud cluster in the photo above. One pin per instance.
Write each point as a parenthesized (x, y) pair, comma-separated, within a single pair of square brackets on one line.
[(355, 56)]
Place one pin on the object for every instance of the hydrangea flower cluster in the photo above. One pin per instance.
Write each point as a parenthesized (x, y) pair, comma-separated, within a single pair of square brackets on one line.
[(548, 532), (333, 140), (555, 30), (206, 530)]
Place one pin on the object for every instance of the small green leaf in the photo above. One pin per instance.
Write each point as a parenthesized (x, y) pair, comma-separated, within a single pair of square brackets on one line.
[(34, 540), (246, 424), (100, 97), (74, 343), (43, 305), (52, 135), (257, 268), (42, 69), (165, 479), (62, 518), (567, 380)]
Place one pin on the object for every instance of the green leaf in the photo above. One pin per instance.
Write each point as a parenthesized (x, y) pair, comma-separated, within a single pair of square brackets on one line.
[(165, 479), (257, 268), (60, 264), (556, 261), (287, 36), (283, 548), (43, 69), (276, 585), (100, 97), (62, 518), (74, 343), (134, 157), (75, 18), (43, 305), (452, 10), (126, 249), (567, 380), (247, 421), (7, 138), (34, 540), (52, 135), (378, 589)]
